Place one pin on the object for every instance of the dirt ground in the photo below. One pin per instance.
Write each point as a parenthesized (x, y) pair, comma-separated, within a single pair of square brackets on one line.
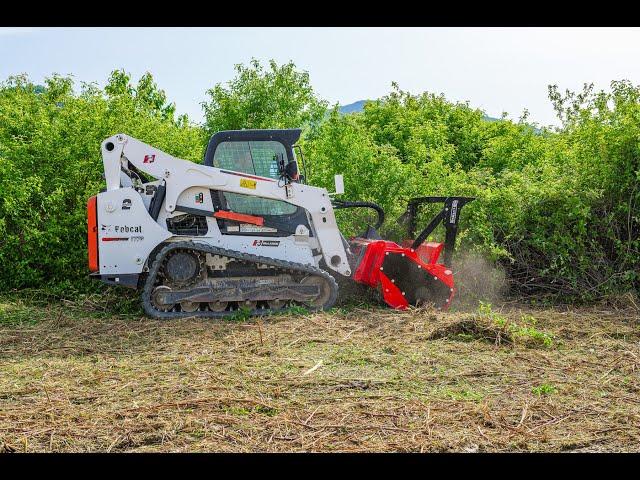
[(509, 378)]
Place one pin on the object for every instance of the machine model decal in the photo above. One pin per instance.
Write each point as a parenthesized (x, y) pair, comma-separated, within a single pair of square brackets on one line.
[(149, 159), (246, 183), (266, 243), (137, 238), (128, 229), (454, 211), (121, 228)]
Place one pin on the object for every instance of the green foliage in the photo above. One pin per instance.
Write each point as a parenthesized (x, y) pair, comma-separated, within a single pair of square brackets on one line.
[(462, 395), (558, 209), (296, 310), (17, 313), (242, 314), (50, 164), (278, 97), (544, 389), (341, 144), (524, 331)]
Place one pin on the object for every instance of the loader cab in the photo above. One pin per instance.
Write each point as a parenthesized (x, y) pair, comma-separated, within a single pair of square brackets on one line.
[(257, 152)]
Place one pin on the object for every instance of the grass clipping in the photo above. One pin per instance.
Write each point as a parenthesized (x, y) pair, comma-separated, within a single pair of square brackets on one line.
[(74, 379)]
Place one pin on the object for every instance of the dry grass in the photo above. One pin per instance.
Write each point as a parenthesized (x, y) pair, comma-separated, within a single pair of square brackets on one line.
[(359, 379)]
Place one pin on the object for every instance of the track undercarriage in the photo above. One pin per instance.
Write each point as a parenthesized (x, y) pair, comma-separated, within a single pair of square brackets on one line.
[(188, 278)]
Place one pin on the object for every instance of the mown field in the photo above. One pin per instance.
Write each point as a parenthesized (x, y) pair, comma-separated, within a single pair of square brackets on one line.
[(74, 377)]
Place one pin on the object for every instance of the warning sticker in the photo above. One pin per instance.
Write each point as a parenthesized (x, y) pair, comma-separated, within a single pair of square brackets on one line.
[(247, 227), (246, 183)]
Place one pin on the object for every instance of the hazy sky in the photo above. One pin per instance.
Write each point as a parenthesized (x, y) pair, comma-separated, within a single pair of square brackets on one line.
[(496, 69)]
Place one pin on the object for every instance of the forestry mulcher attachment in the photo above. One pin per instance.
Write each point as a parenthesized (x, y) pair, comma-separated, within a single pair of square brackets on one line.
[(244, 230)]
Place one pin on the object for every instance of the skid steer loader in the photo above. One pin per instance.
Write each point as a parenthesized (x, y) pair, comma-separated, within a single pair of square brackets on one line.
[(245, 230)]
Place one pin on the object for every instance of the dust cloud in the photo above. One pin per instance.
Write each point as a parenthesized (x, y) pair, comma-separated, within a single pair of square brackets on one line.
[(477, 280)]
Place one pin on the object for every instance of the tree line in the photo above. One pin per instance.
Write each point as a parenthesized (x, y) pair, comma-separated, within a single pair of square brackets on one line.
[(557, 208)]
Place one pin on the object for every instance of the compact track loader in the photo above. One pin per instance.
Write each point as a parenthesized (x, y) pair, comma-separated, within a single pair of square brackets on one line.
[(245, 230)]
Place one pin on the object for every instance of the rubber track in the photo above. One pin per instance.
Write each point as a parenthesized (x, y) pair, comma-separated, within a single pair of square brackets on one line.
[(201, 247)]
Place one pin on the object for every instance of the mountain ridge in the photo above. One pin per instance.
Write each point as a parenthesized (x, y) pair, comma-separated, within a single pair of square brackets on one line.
[(358, 106)]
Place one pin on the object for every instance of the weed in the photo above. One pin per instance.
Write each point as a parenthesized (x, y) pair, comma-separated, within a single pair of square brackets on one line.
[(241, 315), (264, 410), (524, 331), (459, 394), (296, 310), (465, 337), (544, 389), (17, 314), (351, 356), (241, 411), (533, 334)]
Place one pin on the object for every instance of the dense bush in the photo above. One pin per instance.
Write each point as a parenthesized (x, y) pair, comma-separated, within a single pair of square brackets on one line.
[(50, 164), (279, 97), (558, 209)]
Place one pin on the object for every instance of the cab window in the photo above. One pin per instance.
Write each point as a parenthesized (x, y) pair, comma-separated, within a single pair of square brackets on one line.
[(254, 158)]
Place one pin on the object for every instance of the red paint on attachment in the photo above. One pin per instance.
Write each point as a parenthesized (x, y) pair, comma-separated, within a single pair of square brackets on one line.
[(368, 270), (392, 294), (92, 233), (239, 217), (429, 252)]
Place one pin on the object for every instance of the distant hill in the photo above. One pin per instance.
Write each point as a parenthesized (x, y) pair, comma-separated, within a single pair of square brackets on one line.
[(358, 106), (353, 107)]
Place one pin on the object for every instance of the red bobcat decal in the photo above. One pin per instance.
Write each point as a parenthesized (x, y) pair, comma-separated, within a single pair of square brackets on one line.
[(149, 159)]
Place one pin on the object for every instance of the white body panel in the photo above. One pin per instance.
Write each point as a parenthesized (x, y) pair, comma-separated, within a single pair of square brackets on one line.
[(133, 227), (184, 180)]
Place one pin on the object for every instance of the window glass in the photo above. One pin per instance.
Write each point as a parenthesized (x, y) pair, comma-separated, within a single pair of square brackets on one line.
[(255, 158)]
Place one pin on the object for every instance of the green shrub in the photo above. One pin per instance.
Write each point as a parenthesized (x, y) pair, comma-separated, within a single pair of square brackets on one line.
[(50, 164), (558, 209)]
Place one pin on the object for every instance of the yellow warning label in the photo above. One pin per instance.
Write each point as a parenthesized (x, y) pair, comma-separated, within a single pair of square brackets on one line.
[(246, 183)]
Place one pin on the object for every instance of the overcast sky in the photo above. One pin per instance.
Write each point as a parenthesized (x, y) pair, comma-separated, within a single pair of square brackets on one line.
[(495, 69)]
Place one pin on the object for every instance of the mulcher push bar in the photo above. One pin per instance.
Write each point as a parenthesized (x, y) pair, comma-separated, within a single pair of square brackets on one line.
[(449, 215)]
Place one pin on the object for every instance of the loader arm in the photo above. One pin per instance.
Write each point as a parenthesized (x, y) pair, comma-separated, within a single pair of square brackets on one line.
[(179, 175)]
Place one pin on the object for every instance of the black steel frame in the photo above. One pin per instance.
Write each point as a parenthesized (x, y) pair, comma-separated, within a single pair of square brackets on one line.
[(449, 216)]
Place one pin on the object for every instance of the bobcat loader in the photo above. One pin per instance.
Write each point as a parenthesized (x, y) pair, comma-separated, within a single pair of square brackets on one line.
[(245, 230)]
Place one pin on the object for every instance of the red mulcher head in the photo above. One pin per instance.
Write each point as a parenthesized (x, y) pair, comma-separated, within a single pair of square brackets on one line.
[(408, 274)]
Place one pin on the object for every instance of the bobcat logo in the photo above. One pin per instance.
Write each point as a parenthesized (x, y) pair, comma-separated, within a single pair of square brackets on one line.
[(266, 243)]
